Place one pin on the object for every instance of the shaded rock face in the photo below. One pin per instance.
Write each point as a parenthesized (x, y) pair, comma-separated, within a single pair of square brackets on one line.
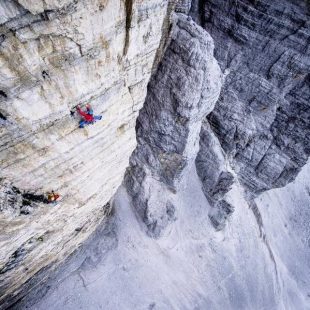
[(259, 128), (54, 55), (181, 93), (220, 213), (258, 132), (263, 114), (13, 8), (211, 165), (14, 202), (216, 176)]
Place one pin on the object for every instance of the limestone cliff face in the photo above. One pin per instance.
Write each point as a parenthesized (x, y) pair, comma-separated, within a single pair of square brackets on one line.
[(181, 93), (258, 132), (261, 120), (53, 56)]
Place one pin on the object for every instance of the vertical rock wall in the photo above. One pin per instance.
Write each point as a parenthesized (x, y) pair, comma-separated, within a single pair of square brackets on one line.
[(258, 132), (263, 114), (261, 120), (53, 56)]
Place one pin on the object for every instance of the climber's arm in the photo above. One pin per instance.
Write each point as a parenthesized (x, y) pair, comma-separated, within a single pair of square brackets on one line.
[(81, 112)]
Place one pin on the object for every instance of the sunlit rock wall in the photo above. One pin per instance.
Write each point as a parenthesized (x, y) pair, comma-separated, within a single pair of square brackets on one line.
[(261, 120), (54, 55)]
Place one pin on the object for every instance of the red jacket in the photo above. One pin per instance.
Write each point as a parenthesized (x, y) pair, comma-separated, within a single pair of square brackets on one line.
[(87, 117)]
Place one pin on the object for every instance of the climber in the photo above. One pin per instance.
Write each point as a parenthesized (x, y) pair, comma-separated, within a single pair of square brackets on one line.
[(88, 117), (52, 197), (89, 109)]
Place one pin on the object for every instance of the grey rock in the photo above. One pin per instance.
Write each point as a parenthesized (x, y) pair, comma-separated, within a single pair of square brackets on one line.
[(183, 6), (10, 9), (156, 224), (181, 93), (223, 185), (15, 202), (211, 166), (262, 117), (11, 199), (17, 257), (220, 213)]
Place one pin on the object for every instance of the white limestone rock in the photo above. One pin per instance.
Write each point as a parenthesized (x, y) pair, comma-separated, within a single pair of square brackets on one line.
[(54, 55)]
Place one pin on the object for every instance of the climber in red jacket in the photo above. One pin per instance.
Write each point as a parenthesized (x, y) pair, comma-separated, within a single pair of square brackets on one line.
[(87, 117)]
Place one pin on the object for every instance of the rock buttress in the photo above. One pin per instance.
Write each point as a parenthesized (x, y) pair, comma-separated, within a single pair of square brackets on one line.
[(180, 94)]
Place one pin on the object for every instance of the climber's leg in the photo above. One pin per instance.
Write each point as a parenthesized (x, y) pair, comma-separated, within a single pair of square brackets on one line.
[(82, 123), (97, 117)]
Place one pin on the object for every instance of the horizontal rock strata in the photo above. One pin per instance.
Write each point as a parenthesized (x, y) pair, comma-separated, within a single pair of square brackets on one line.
[(54, 55)]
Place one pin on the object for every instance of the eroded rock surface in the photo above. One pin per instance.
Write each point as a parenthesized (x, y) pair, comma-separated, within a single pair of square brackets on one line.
[(261, 120), (215, 174), (259, 129), (263, 114), (54, 55), (255, 139), (181, 93)]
